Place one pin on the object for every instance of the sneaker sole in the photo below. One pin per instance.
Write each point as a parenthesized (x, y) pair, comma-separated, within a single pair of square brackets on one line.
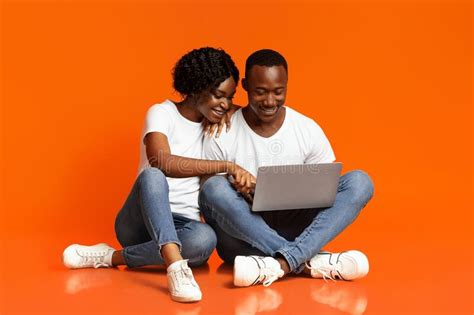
[(186, 299)]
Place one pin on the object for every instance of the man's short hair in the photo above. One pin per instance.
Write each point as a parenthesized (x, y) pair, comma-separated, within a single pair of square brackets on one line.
[(267, 58)]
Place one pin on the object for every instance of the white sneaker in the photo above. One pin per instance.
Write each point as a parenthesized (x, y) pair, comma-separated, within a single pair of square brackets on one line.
[(80, 256), (181, 283), (348, 265), (252, 270)]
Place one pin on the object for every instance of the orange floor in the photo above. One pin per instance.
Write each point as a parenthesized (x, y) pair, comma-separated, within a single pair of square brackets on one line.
[(400, 282)]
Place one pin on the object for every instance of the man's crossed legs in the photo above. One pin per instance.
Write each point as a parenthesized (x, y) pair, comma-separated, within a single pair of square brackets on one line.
[(266, 246)]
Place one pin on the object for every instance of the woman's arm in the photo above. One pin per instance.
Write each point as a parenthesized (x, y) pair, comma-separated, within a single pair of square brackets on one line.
[(159, 155)]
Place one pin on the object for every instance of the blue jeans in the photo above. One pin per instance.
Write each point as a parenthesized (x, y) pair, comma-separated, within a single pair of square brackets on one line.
[(296, 235), (145, 223)]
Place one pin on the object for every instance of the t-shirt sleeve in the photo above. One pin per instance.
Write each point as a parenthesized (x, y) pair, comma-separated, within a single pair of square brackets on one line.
[(320, 148), (213, 149), (157, 119)]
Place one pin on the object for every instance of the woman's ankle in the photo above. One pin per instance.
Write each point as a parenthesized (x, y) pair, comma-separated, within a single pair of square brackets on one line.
[(170, 253)]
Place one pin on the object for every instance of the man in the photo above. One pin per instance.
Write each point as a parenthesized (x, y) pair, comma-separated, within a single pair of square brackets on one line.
[(266, 246)]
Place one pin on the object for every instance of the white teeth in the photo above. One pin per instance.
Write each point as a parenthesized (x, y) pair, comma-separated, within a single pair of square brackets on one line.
[(268, 110)]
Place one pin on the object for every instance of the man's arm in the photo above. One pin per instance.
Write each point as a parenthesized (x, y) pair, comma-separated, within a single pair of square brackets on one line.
[(320, 148)]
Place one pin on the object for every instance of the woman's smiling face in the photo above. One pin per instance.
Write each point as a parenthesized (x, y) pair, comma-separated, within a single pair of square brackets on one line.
[(215, 102)]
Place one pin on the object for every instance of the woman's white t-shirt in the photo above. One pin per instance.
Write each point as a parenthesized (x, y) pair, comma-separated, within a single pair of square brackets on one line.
[(185, 139)]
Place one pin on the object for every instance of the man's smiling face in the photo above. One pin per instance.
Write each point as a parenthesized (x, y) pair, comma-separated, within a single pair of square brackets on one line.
[(266, 90)]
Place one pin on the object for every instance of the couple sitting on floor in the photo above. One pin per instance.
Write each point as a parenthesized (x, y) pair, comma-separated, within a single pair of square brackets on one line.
[(185, 171)]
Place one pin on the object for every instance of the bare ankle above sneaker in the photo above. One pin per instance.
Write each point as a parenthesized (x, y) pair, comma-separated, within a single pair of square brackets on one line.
[(283, 265)]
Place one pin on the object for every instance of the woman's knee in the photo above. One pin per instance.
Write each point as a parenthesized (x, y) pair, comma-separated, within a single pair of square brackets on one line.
[(153, 177), (199, 247)]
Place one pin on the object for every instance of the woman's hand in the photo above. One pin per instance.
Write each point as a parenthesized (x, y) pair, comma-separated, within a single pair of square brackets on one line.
[(244, 182), (210, 128)]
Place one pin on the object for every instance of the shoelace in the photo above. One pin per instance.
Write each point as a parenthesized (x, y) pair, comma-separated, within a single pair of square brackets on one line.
[(326, 271), (184, 276), (267, 275), (96, 257)]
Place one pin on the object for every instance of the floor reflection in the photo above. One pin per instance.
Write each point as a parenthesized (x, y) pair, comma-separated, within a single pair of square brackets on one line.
[(253, 303), (190, 309), (80, 280), (350, 297)]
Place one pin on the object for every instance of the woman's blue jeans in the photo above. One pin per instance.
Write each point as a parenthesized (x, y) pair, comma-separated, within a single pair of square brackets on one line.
[(297, 235), (145, 223)]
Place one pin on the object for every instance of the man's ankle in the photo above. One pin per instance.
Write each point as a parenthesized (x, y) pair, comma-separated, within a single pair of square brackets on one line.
[(283, 265), (117, 258)]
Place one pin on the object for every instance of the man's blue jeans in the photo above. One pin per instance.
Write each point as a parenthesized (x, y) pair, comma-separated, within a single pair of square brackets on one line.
[(145, 223), (297, 235)]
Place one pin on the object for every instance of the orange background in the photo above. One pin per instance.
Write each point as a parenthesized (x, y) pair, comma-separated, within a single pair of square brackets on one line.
[(389, 82)]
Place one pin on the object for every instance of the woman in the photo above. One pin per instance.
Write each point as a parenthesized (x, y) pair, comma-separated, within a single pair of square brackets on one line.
[(159, 222)]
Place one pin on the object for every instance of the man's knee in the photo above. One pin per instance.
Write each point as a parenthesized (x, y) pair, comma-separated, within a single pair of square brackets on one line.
[(214, 185), (361, 185), (213, 190)]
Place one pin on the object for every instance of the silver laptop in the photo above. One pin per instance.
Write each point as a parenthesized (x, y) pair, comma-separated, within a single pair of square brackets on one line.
[(302, 186)]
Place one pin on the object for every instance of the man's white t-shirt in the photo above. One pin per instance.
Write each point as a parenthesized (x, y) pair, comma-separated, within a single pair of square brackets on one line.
[(299, 140), (185, 139)]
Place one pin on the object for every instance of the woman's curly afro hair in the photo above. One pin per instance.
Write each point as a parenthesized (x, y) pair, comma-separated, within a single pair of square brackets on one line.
[(201, 69)]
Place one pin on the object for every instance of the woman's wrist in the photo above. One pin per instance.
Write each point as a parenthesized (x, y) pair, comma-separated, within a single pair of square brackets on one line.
[(230, 167)]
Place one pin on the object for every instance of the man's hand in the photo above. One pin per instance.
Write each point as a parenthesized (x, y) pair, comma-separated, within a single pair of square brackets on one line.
[(248, 197)]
